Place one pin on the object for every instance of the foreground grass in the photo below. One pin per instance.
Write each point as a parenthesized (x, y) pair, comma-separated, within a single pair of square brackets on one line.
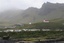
[(33, 36)]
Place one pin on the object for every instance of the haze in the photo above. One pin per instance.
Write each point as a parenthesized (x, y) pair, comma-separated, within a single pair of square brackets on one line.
[(24, 4)]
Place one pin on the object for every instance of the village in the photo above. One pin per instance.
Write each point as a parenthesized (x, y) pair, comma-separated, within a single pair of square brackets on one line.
[(15, 28)]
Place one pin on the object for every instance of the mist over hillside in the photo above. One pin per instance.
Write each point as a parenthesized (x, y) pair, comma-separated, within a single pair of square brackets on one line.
[(48, 11)]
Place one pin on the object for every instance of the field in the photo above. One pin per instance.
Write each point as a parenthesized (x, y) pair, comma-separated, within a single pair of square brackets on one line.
[(33, 36)]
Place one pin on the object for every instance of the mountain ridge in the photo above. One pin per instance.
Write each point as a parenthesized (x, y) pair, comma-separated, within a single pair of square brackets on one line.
[(48, 11)]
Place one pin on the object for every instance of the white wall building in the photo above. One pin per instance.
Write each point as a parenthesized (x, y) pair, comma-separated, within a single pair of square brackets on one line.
[(46, 21)]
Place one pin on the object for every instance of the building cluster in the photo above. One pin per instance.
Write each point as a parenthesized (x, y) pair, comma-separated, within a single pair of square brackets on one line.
[(20, 30), (11, 27)]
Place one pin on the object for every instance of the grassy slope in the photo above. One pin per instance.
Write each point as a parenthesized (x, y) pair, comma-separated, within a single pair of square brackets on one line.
[(34, 35)]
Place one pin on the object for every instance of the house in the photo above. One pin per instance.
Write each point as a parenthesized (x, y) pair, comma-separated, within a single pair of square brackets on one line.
[(17, 30), (46, 21), (9, 30), (30, 23), (30, 29)]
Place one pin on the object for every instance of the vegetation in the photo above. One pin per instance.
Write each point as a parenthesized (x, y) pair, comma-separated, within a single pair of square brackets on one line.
[(34, 35), (48, 11), (42, 25)]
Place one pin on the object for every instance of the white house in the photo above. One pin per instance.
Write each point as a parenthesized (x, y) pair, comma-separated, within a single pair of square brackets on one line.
[(9, 30), (30, 23), (46, 21)]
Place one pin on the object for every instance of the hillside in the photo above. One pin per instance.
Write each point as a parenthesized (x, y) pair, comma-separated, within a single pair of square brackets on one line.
[(52, 11), (48, 11)]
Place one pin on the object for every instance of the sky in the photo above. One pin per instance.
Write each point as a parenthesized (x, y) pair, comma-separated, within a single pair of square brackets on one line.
[(24, 4)]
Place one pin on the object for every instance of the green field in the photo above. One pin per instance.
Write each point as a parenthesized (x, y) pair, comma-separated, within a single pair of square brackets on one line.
[(28, 35)]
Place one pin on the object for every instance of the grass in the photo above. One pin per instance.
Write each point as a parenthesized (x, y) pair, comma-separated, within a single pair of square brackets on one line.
[(34, 36)]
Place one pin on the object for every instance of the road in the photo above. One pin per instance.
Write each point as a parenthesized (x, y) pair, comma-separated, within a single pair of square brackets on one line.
[(11, 41), (7, 41)]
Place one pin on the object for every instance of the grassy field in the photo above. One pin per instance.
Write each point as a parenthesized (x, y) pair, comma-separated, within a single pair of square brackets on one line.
[(28, 35)]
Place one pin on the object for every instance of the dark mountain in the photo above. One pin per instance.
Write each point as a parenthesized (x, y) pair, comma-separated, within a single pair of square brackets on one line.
[(30, 15), (52, 10), (50, 7), (48, 11)]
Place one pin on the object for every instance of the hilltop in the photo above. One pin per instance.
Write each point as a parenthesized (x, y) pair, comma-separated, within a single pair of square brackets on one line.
[(48, 11)]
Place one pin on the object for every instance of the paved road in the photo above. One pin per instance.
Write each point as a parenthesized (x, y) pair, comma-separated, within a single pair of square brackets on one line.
[(7, 41), (11, 41), (41, 42)]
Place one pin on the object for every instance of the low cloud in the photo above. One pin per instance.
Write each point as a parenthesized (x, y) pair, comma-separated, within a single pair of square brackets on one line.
[(23, 4)]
